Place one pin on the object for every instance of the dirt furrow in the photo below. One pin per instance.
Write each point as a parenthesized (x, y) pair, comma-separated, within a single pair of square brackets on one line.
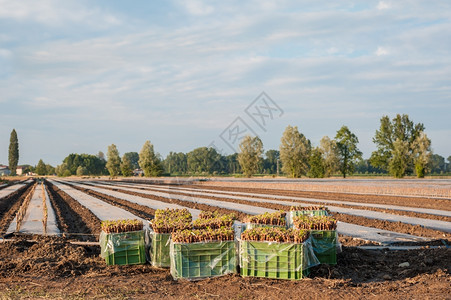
[(10, 205), (73, 219), (379, 199)]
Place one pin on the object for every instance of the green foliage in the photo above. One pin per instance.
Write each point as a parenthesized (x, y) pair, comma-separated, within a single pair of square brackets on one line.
[(400, 132), (95, 165), (422, 155), (82, 171), (250, 156), (294, 152), (13, 154), (270, 162), (317, 164), (133, 157), (114, 161), (437, 164), (204, 160), (126, 166), (348, 153), (41, 168), (330, 154), (149, 161), (176, 163), (203, 235)]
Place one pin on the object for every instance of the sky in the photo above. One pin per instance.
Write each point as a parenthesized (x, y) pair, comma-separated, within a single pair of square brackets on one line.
[(77, 76)]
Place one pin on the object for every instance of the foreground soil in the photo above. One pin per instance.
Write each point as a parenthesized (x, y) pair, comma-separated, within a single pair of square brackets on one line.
[(44, 267)]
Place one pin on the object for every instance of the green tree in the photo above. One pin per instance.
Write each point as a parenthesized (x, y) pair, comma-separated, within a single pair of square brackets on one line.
[(400, 129), (231, 164), (61, 170), (422, 155), (271, 161), (126, 166), (41, 168), (176, 163), (329, 152), (317, 164), (133, 157), (400, 157), (82, 171), (13, 156), (437, 164), (204, 160), (294, 152), (50, 169), (250, 156), (149, 161), (114, 161), (449, 163), (348, 153)]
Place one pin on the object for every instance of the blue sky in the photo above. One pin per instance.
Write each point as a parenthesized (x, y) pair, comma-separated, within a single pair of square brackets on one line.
[(77, 76)]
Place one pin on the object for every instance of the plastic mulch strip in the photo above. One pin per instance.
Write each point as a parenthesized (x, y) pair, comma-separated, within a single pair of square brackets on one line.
[(159, 249), (324, 244), (126, 248), (276, 260), (296, 213), (202, 260)]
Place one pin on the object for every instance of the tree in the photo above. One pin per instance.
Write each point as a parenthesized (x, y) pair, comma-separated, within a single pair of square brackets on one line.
[(149, 161), (50, 169), (437, 164), (204, 160), (329, 152), (317, 164), (114, 161), (422, 155), (400, 129), (41, 168), (93, 164), (133, 157), (231, 164), (271, 161), (13, 156), (294, 152), (449, 163), (126, 166), (82, 171), (250, 156), (348, 153), (400, 157), (176, 163)]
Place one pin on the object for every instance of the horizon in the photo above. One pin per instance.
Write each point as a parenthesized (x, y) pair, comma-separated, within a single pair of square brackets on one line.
[(78, 76)]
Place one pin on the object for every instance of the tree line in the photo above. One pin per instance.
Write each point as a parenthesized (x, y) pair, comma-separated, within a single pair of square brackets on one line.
[(402, 148)]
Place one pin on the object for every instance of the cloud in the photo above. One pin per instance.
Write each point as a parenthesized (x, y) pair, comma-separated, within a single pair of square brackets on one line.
[(197, 7), (383, 5), (381, 51)]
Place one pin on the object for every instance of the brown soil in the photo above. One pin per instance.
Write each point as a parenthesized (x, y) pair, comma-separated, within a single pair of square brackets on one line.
[(53, 268), (442, 204), (73, 219), (10, 205)]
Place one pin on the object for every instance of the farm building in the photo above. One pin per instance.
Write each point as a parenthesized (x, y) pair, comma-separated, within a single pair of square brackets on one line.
[(4, 170)]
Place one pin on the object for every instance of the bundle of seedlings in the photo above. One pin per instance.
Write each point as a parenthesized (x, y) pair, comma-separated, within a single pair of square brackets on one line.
[(274, 234), (118, 226), (203, 235), (213, 214), (276, 218), (309, 208), (214, 220), (315, 223), (170, 220)]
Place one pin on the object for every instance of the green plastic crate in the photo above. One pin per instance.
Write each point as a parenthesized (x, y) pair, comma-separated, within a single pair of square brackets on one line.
[(324, 244), (296, 213), (272, 260), (127, 248), (202, 260), (159, 249)]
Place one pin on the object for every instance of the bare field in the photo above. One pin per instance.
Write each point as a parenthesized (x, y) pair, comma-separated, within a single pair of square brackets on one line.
[(35, 266)]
